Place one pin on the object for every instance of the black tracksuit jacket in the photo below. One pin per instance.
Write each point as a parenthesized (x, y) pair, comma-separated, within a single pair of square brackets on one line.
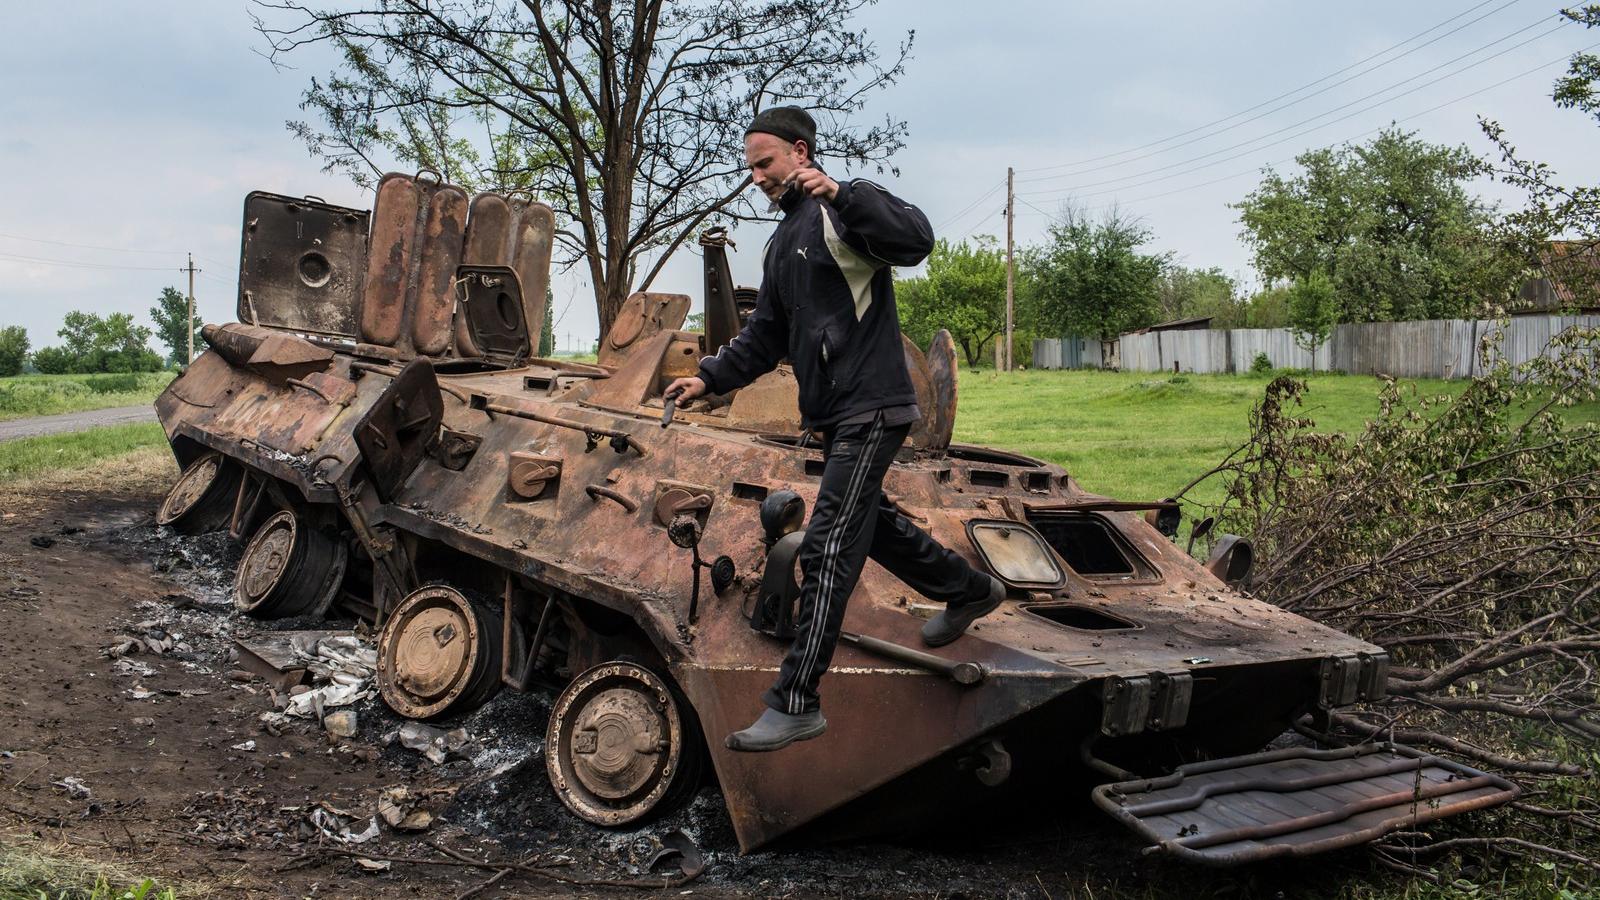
[(827, 303)]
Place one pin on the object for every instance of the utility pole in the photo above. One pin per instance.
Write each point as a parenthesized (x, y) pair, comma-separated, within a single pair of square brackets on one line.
[(188, 324), (1011, 266)]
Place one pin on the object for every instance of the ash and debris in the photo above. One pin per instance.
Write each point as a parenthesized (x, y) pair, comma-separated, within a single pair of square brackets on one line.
[(447, 518), (486, 781)]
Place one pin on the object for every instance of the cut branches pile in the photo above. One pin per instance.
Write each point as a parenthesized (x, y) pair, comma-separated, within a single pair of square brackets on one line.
[(1463, 535)]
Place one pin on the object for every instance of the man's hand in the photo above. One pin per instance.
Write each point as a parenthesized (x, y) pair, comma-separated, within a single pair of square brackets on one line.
[(685, 389), (816, 183)]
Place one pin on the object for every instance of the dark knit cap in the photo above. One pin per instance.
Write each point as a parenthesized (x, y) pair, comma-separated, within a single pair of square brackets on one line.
[(788, 122)]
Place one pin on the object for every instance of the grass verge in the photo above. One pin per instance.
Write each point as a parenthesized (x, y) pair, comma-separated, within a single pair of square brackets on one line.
[(46, 395), (53, 454), (1143, 435), (31, 871)]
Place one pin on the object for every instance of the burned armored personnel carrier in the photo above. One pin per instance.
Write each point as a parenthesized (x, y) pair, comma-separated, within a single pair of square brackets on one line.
[(377, 432)]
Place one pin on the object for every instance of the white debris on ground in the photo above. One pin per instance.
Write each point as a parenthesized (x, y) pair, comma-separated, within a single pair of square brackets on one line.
[(341, 825), (73, 787), (436, 744), (342, 670)]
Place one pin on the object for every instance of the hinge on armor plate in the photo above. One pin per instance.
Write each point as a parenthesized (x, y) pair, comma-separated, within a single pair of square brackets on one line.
[(1158, 701), (1351, 677)]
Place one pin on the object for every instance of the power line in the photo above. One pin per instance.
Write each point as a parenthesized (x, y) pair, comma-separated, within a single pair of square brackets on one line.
[(78, 264), (1287, 93), (984, 220), (18, 237), (1077, 188), (968, 208), (1256, 169)]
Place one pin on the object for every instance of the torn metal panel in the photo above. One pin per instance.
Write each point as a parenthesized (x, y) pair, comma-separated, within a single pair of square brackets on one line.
[(1297, 802)]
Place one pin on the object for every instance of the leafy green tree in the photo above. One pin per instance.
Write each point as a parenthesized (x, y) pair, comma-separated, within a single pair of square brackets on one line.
[(78, 333), (1090, 278), (1390, 223), (1188, 293), (1557, 231), (169, 312), (1313, 310), (13, 350), (1576, 89), (54, 361), (1268, 308), (963, 291), (94, 344)]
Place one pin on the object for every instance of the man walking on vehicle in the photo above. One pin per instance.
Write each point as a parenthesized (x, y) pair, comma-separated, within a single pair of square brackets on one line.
[(827, 304)]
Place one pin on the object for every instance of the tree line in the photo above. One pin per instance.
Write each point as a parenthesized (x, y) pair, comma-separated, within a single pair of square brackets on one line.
[(1383, 231), (111, 343)]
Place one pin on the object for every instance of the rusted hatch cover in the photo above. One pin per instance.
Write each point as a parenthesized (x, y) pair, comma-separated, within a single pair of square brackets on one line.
[(491, 303), (1296, 802), (301, 264), (400, 427)]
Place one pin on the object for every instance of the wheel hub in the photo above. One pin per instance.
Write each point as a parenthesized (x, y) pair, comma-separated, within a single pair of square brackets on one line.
[(432, 652), (191, 486), (614, 743), (617, 743), (267, 557)]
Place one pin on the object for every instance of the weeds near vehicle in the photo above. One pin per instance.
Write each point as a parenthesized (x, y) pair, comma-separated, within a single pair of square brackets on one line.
[(46, 395), (1462, 534)]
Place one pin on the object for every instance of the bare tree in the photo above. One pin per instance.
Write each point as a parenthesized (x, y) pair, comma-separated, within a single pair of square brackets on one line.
[(627, 117)]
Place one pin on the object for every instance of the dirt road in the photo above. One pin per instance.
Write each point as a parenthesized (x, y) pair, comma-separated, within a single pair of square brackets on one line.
[(77, 421), (162, 763)]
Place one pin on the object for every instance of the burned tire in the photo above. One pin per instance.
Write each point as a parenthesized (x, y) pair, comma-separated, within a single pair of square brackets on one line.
[(623, 745), (202, 498), (439, 653), (289, 568)]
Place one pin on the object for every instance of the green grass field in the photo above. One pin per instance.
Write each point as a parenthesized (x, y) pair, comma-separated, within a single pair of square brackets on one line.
[(1144, 435), (74, 450), (46, 395), (1130, 435)]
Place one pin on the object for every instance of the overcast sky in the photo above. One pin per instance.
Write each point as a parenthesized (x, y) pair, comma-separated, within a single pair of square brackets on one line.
[(130, 132)]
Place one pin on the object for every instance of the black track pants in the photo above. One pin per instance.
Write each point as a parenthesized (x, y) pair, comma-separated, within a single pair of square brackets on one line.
[(852, 520)]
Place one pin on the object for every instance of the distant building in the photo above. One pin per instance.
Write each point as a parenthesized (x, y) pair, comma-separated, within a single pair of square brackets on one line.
[(1570, 281), (1193, 323)]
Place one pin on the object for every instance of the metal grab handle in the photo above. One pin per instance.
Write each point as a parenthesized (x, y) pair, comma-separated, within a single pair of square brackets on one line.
[(963, 673), (596, 491)]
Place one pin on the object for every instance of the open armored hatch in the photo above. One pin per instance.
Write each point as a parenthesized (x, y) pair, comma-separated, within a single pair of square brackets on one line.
[(394, 282)]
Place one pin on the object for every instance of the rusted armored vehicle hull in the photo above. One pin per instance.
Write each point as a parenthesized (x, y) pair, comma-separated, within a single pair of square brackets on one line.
[(509, 521)]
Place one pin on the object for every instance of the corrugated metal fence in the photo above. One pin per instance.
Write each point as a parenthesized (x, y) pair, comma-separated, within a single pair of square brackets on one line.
[(1444, 348)]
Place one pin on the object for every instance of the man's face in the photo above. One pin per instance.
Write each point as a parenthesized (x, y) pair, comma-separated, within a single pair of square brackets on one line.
[(772, 160)]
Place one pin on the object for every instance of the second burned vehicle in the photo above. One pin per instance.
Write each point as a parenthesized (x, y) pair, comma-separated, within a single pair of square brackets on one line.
[(376, 429)]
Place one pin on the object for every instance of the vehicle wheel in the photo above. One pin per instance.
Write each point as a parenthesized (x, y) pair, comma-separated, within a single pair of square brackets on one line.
[(623, 745), (202, 498), (439, 653), (289, 569)]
